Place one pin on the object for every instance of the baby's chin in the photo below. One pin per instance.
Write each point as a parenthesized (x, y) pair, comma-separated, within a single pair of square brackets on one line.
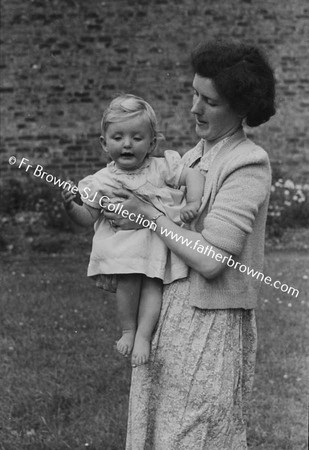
[(128, 163)]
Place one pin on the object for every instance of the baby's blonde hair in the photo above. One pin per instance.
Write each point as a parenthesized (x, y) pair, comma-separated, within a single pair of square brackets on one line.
[(126, 107)]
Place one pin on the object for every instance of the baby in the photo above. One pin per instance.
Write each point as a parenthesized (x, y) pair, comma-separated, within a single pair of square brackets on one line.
[(138, 258)]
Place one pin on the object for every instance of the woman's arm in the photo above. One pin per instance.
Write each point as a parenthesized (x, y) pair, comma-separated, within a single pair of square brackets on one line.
[(227, 225), (190, 246)]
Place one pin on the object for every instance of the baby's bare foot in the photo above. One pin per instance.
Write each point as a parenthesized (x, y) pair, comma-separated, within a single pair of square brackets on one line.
[(125, 343), (141, 350)]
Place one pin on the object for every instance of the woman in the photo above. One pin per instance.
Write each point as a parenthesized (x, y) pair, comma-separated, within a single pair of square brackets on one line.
[(193, 393)]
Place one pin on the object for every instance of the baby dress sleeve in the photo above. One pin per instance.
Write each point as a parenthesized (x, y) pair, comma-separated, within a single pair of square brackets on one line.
[(173, 168), (91, 191)]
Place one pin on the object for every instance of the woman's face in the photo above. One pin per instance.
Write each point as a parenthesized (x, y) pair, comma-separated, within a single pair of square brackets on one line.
[(214, 118)]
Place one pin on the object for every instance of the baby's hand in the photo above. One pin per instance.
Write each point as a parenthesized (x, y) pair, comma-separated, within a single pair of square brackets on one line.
[(189, 212), (68, 197)]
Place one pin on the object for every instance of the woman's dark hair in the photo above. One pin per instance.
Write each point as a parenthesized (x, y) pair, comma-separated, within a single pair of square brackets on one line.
[(241, 74)]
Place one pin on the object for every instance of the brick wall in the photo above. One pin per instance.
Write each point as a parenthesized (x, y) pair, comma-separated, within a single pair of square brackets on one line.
[(62, 61)]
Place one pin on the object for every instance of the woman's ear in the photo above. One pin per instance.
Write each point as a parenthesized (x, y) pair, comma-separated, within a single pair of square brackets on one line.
[(242, 113), (103, 143)]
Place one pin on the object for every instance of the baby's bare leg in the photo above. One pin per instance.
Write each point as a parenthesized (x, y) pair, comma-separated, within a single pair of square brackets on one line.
[(127, 295), (148, 315)]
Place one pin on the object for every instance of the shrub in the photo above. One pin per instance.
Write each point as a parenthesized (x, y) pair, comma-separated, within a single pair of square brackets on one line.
[(288, 207), (18, 195)]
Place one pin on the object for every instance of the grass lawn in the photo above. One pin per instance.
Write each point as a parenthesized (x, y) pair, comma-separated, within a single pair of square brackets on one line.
[(63, 385)]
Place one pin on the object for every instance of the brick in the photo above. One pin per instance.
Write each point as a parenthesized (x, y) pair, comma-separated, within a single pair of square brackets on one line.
[(6, 89)]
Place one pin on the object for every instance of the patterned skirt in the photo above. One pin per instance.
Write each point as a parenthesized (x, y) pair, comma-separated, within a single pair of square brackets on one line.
[(194, 392)]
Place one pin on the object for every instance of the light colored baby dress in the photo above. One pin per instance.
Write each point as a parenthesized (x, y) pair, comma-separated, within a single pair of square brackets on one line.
[(136, 251)]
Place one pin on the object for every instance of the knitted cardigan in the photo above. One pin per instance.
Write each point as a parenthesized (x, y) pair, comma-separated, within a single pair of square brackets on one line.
[(233, 218)]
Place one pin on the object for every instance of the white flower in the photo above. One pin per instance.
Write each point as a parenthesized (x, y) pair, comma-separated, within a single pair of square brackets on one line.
[(302, 197), (289, 184), (30, 432)]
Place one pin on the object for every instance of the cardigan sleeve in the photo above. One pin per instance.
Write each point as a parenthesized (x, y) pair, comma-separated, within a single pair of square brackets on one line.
[(239, 196)]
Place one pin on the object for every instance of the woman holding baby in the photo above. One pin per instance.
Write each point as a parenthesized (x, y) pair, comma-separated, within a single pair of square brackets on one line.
[(194, 391)]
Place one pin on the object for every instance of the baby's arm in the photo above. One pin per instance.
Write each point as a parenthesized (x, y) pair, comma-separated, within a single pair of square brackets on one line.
[(194, 181), (81, 214)]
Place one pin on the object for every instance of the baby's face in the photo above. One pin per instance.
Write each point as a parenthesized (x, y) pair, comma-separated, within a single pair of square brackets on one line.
[(128, 142)]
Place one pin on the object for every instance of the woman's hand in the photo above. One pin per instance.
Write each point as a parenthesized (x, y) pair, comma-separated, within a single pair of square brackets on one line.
[(134, 208), (119, 222)]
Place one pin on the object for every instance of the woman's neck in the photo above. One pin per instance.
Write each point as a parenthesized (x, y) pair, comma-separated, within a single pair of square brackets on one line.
[(209, 144)]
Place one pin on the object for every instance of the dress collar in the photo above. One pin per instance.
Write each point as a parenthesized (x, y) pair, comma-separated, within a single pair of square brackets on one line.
[(210, 154), (203, 157), (114, 169)]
